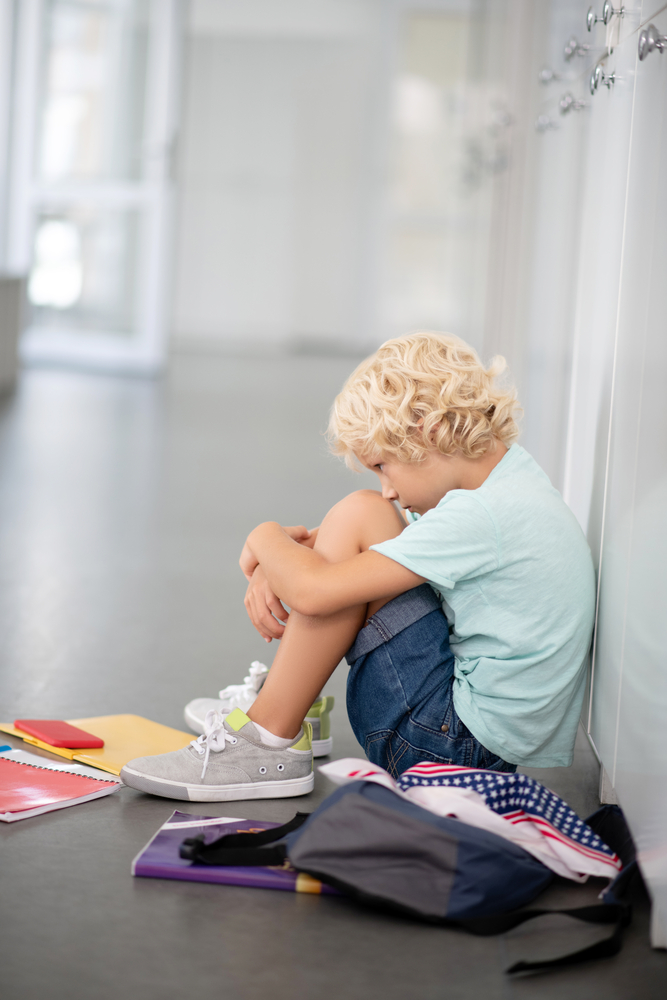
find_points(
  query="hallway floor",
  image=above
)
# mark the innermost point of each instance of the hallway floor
(123, 507)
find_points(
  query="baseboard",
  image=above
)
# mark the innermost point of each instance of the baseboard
(607, 791)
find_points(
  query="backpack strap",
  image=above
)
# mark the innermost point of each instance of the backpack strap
(610, 824)
(242, 848)
(617, 914)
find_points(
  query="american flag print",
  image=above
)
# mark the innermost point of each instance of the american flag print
(519, 799)
(513, 806)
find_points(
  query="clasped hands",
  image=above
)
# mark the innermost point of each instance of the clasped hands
(264, 608)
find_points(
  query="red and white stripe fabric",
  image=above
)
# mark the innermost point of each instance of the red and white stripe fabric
(512, 806)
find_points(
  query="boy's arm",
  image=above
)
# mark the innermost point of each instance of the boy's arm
(311, 585)
(267, 608)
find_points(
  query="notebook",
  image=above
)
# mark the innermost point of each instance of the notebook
(125, 737)
(23, 756)
(28, 790)
(160, 857)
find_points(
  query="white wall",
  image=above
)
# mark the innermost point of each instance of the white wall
(6, 59)
(275, 173)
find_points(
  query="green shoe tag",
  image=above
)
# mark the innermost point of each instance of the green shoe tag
(320, 707)
(306, 741)
(237, 720)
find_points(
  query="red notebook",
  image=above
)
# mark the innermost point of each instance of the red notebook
(26, 790)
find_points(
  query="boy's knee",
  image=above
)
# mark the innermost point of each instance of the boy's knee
(366, 517)
(362, 504)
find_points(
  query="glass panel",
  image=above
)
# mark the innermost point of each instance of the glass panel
(84, 271)
(448, 143)
(93, 90)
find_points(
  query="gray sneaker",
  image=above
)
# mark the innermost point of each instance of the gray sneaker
(228, 762)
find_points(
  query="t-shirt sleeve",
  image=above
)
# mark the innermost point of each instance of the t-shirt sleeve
(457, 540)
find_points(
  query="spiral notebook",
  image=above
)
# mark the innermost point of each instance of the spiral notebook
(160, 857)
(29, 790)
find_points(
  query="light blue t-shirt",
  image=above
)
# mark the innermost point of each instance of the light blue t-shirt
(516, 579)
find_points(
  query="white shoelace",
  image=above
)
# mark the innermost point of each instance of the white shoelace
(215, 737)
(242, 695)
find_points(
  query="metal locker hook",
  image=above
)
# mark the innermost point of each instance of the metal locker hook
(608, 12)
(598, 77)
(591, 19)
(650, 39)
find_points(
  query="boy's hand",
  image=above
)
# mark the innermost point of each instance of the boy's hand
(262, 604)
(309, 539)
(249, 562)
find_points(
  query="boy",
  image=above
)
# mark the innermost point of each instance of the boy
(466, 631)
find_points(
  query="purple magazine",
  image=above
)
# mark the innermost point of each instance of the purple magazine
(160, 858)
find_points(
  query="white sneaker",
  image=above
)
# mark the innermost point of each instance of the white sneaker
(243, 695)
(233, 696)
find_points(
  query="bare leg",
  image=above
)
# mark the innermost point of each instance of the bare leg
(312, 647)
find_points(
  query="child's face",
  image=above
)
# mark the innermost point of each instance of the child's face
(416, 486)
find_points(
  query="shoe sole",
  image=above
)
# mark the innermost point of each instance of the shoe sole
(286, 788)
(321, 748)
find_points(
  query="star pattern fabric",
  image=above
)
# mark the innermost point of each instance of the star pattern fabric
(517, 798)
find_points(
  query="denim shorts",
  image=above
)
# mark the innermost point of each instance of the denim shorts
(399, 689)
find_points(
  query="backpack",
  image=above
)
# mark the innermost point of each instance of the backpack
(389, 853)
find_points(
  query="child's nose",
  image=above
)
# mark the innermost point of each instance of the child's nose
(389, 493)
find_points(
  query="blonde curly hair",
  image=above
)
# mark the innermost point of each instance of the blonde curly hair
(421, 391)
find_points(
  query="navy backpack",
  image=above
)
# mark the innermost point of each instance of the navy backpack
(389, 853)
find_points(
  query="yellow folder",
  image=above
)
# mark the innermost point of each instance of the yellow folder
(125, 737)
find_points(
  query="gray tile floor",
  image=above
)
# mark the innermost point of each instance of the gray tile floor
(123, 506)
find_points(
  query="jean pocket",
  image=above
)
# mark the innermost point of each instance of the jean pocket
(376, 746)
(393, 752)
(437, 723)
